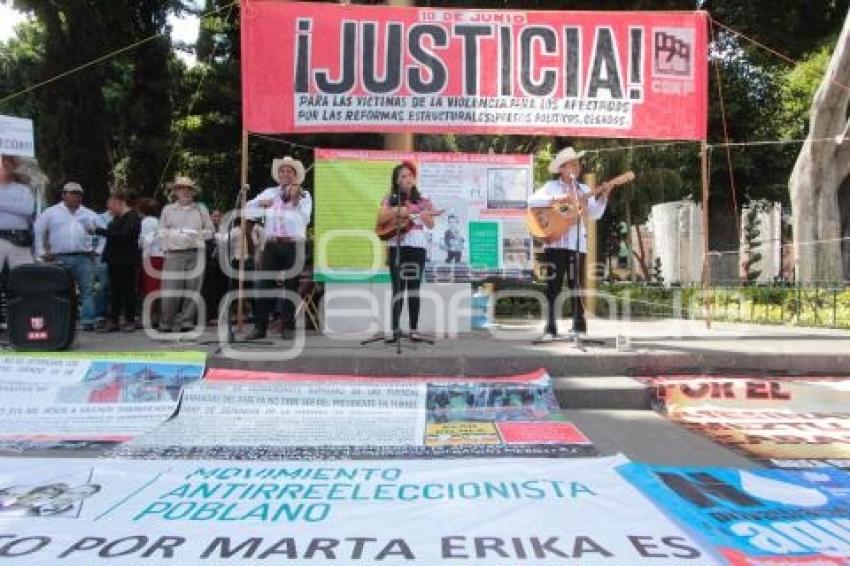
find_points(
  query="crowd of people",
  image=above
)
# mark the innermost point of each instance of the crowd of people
(121, 256)
(129, 251)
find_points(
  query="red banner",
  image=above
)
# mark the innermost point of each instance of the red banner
(342, 68)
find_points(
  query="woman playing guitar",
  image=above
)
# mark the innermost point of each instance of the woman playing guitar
(407, 211)
(565, 255)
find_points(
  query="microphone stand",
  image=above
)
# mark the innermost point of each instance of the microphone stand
(397, 333)
(575, 336)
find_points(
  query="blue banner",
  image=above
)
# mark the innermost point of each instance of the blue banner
(756, 517)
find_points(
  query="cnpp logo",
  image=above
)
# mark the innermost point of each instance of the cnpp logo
(672, 55)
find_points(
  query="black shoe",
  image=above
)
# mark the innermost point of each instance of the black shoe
(287, 334)
(110, 326)
(256, 334)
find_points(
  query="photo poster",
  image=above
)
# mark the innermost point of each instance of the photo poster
(481, 233)
(89, 399)
(307, 416)
(87, 512)
(788, 422)
(755, 517)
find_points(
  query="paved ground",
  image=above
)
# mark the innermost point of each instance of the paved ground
(628, 348)
(646, 436)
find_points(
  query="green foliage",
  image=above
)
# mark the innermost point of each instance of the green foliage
(119, 121)
(826, 308)
(105, 119)
(798, 88)
(20, 57)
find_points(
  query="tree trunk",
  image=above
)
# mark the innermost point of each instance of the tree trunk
(844, 206)
(820, 170)
(641, 258)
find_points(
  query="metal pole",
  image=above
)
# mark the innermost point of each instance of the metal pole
(243, 224)
(590, 267)
(706, 267)
(399, 141)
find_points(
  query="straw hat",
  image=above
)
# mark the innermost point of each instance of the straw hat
(300, 172)
(563, 156)
(180, 181)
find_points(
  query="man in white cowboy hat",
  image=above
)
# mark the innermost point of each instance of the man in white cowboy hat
(64, 234)
(184, 227)
(286, 209)
(565, 256)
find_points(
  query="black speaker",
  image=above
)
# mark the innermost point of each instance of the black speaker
(42, 307)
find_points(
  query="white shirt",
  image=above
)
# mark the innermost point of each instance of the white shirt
(148, 239)
(60, 231)
(16, 206)
(100, 241)
(283, 219)
(545, 195)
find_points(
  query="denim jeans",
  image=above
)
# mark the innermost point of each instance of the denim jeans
(82, 266)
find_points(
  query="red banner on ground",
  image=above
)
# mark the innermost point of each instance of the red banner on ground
(340, 68)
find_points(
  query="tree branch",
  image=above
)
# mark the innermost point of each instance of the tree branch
(834, 92)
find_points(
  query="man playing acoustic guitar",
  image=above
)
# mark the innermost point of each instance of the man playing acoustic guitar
(565, 253)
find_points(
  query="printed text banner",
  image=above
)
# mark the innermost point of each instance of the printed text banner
(132, 513)
(787, 421)
(337, 68)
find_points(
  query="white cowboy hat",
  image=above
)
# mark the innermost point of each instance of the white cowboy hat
(563, 156)
(72, 187)
(180, 181)
(300, 172)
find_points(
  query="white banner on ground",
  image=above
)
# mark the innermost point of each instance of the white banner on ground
(56, 399)
(321, 417)
(16, 136)
(315, 414)
(505, 512)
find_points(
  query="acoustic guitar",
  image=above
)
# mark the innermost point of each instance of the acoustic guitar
(386, 230)
(549, 223)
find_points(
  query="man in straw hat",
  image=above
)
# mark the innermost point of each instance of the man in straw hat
(566, 255)
(286, 209)
(184, 227)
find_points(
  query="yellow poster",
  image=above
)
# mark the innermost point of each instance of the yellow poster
(461, 433)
